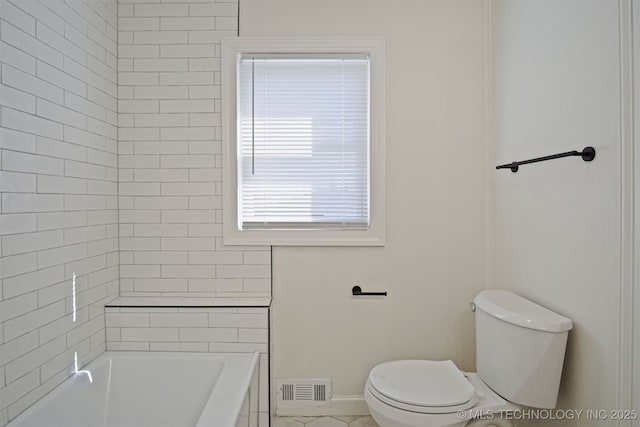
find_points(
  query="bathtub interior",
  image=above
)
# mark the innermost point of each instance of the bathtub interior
(149, 390)
(178, 394)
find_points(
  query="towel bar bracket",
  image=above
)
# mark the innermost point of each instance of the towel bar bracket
(588, 154)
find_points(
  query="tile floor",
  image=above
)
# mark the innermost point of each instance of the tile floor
(337, 421)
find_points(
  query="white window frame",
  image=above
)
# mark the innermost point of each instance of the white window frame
(232, 234)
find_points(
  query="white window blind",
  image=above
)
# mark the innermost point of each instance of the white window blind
(303, 141)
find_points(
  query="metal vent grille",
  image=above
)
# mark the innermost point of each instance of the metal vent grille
(288, 392)
(303, 392)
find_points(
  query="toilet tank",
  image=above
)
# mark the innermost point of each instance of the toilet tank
(520, 348)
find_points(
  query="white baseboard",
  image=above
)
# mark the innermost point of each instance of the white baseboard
(340, 405)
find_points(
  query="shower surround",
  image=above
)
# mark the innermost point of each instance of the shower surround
(59, 218)
(170, 166)
(110, 178)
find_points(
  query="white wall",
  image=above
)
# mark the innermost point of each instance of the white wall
(58, 181)
(433, 262)
(170, 166)
(636, 219)
(556, 228)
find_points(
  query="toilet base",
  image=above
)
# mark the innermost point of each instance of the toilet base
(496, 422)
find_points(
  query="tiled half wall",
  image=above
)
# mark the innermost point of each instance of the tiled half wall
(194, 329)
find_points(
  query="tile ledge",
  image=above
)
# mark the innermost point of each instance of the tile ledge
(189, 302)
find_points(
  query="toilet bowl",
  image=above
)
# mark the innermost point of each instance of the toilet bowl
(426, 393)
(520, 350)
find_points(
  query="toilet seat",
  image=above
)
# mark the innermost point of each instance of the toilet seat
(423, 386)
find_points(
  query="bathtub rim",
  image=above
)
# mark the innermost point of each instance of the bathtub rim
(219, 402)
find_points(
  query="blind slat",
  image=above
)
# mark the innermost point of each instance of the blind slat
(303, 141)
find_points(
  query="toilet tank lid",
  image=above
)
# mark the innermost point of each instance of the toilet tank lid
(514, 309)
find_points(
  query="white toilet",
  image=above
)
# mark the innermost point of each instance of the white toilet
(519, 355)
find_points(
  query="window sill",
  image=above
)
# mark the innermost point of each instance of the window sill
(369, 237)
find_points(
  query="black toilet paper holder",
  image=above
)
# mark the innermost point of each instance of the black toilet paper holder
(356, 291)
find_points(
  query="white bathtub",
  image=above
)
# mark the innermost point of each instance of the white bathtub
(151, 389)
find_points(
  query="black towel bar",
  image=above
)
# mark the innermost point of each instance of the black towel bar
(588, 154)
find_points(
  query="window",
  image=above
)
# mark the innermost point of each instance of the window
(303, 151)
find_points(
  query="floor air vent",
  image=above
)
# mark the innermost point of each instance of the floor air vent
(303, 392)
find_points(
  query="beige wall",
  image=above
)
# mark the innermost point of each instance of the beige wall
(557, 224)
(433, 262)
(550, 232)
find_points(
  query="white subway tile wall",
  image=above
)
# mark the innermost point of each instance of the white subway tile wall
(58, 177)
(170, 166)
(110, 171)
(214, 330)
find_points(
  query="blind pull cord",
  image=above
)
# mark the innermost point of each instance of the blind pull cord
(253, 117)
